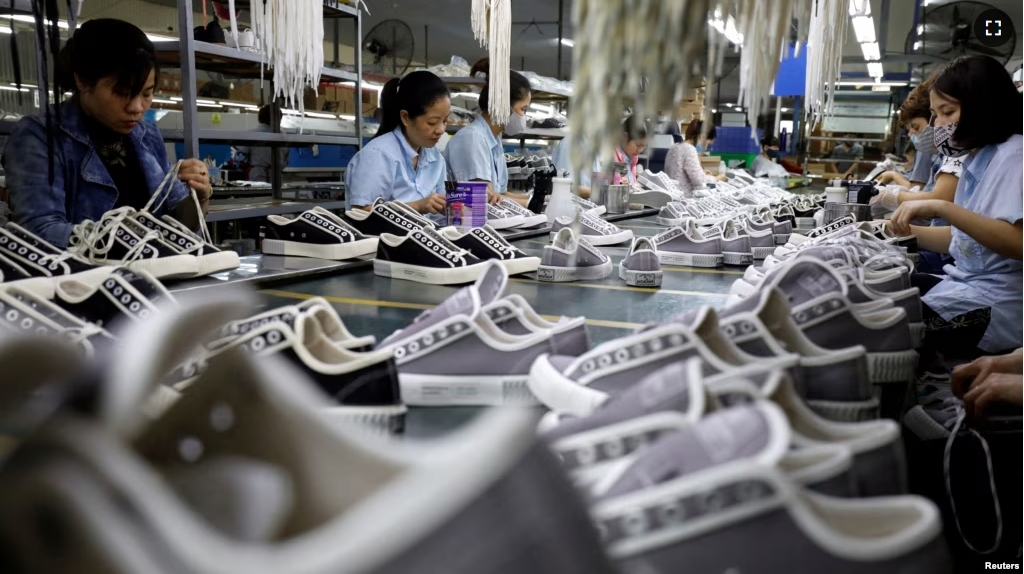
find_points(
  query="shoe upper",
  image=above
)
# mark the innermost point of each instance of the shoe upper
(26, 252)
(313, 228)
(424, 247)
(484, 243)
(382, 218)
(122, 295)
(686, 238)
(567, 250)
(643, 256)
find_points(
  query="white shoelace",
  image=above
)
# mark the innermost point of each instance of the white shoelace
(87, 237)
(947, 455)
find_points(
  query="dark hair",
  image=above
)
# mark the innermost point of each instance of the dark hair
(106, 48)
(694, 128)
(519, 88)
(917, 104)
(414, 93)
(769, 141)
(264, 115)
(636, 129)
(990, 110)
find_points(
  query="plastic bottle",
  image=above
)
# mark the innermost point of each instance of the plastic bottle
(560, 203)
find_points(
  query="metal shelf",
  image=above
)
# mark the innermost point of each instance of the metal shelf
(228, 60)
(277, 139)
(233, 209)
(538, 95)
(533, 133)
(332, 9)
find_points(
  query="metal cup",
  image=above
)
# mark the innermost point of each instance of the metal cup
(616, 198)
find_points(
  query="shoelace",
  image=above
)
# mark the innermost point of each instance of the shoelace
(946, 456)
(444, 242)
(87, 236)
(502, 244)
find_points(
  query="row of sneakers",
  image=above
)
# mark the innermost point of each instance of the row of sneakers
(525, 165)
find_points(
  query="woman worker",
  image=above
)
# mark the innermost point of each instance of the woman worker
(104, 155)
(682, 163)
(976, 308)
(475, 152)
(631, 143)
(765, 163)
(401, 162)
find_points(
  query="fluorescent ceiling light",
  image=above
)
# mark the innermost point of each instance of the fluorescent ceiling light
(159, 38)
(864, 28)
(568, 42)
(13, 89)
(870, 82)
(550, 110)
(347, 118)
(209, 104)
(176, 98)
(875, 69)
(31, 20)
(714, 110)
(860, 7)
(322, 115)
(470, 95)
(870, 51)
(163, 101)
(5, 30)
(917, 45)
(729, 105)
(238, 105)
(920, 29)
(785, 109)
(727, 28)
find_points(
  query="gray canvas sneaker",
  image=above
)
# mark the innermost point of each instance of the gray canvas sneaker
(712, 497)
(668, 400)
(736, 247)
(514, 315)
(501, 218)
(673, 214)
(762, 240)
(834, 383)
(685, 245)
(571, 258)
(640, 268)
(587, 206)
(597, 231)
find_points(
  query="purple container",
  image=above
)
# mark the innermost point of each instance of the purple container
(467, 205)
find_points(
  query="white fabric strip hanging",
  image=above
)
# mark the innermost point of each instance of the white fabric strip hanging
(290, 36)
(827, 36)
(492, 27)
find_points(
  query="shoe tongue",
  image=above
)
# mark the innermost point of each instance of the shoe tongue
(677, 388)
(752, 305)
(806, 280)
(247, 500)
(702, 320)
(725, 436)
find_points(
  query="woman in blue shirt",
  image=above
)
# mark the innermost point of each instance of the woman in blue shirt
(401, 162)
(976, 116)
(475, 152)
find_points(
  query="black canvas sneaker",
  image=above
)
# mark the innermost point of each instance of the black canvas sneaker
(382, 218)
(330, 323)
(530, 219)
(123, 296)
(25, 312)
(183, 240)
(117, 240)
(28, 258)
(485, 243)
(426, 256)
(314, 234)
(409, 212)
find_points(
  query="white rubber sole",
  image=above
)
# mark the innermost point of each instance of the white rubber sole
(42, 287)
(690, 259)
(846, 411)
(386, 418)
(334, 252)
(603, 240)
(520, 265)
(599, 210)
(916, 334)
(507, 222)
(656, 199)
(173, 267)
(566, 274)
(217, 262)
(431, 275)
(737, 258)
(640, 278)
(668, 222)
(561, 394)
(762, 252)
(895, 367)
(805, 222)
(781, 238)
(533, 221)
(447, 390)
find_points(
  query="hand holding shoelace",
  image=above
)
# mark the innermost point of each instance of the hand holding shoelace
(996, 388)
(194, 174)
(966, 377)
(493, 197)
(913, 210)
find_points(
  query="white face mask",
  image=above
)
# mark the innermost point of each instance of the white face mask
(516, 124)
(944, 141)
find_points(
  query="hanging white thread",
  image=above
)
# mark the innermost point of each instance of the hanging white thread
(827, 36)
(492, 27)
(290, 36)
(234, 21)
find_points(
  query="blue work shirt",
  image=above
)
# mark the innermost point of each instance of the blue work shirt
(991, 186)
(475, 153)
(384, 169)
(82, 188)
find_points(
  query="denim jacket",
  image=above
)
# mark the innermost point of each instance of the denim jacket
(82, 188)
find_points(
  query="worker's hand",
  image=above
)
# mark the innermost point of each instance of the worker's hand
(966, 377)
(888, 199)
(996, 388)
(493, 197)
(892, 177)
(434, 203)
(194, 174)
(912, 210)
(722, 177)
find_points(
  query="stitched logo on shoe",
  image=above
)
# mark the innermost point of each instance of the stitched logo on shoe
(548, 274)
(671, 513)
(645, 279)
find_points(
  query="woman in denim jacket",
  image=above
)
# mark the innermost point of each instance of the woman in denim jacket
(104, 155)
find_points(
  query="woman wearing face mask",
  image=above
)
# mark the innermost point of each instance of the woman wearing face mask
(941, 184)
(682, 163)
(632, 143)
(977, 306)
(475, 153)
(401, 162)
(104, 155)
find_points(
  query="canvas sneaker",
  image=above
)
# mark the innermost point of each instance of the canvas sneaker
(364, 385)
(587, 206)
(425, 256)
(179, 237)
(485, 243)
(530, 219)
(500, 218)
(686, 498)
(23, 312)
(380, 219)
(455, 355)
(571, 258)
(514, 315)
(28, 258)
(314, 234)
(640, 267)
(118, 240)
(654, 197)
(410, 213)
(122, 296)
(597, 231)
(736, 247)
(673, 214)
(762, 238)
(833, 382)
(685, 245)
(330, 324)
